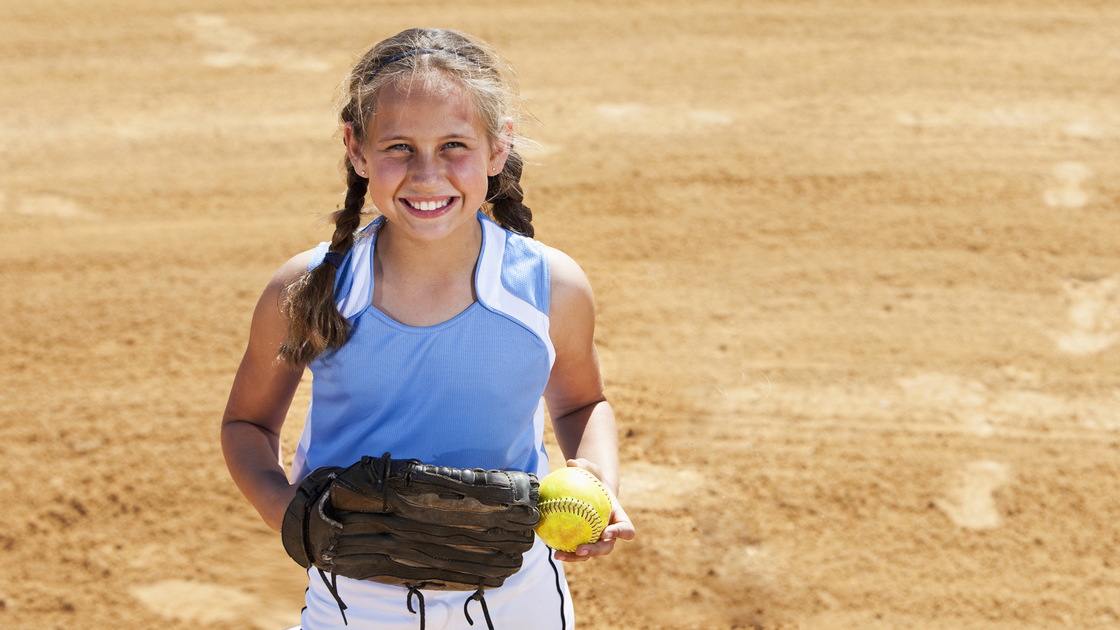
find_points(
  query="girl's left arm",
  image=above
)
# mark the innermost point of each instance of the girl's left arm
(581, 416)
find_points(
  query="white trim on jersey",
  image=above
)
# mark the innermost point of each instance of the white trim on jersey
(494, 294)
(543, 467)
(360, 293)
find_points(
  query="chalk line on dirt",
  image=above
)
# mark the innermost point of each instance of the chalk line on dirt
(203, 603)
(642, 118)
(969, 500)
(1094, 312)
(922, 403)
(1066, 188)
(194, 601)
(1073, 122)
(231, 46)
(45, 205)
(1085, 129)
(654, 487)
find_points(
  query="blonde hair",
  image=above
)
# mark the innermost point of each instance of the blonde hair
(314, 323)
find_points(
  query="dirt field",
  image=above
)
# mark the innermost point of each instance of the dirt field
(856, 268)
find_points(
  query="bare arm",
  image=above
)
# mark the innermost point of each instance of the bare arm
(582, 418)
(258, 404)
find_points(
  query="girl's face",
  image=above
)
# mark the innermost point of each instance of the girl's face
(427, 157)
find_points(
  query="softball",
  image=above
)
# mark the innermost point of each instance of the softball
(575, 507)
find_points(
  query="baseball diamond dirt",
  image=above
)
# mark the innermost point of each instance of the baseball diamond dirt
(856, 267)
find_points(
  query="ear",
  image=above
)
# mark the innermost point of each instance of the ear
(354, 149)
(502, 146)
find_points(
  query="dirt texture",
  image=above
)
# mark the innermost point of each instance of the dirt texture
(855, 267)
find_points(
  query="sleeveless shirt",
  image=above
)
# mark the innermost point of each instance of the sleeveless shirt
(465, 393)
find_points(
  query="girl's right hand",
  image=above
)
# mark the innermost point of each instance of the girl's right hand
(619, 527)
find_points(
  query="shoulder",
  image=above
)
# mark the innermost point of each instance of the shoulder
(294, 269)
(572, 301)
(269, 304)
(269, 325)
(574, 380)
(568, 278)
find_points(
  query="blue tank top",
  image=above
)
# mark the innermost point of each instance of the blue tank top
(466, 393)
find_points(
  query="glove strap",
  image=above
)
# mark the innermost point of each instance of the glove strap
(412, 590)
(332, 586)
(378, 475)
(485, 611)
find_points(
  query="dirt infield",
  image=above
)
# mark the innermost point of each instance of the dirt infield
(855, 263)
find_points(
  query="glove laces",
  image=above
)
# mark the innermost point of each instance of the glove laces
(485, 611)
(332, 586)
(414, 591)
(378, 476)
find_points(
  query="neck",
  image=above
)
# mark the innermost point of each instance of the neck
(423, 283)
(419, 261)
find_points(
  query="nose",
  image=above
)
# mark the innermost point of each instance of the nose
(425, 170)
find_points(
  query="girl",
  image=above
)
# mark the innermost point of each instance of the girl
(437, 332)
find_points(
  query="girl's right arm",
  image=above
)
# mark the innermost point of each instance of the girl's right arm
(258, 403)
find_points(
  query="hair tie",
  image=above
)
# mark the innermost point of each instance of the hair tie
(419, 51)
(333, 259)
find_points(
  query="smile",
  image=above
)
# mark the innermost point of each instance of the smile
(429, 206)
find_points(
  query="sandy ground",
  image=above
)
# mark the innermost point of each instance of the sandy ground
(856, 269)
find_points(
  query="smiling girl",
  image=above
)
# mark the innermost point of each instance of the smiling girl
(439, 331)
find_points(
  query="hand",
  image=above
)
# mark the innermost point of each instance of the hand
(619, 528)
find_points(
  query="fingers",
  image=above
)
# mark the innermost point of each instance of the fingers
(587, 465)
(620, 527)
(583, 553)
(623, 530)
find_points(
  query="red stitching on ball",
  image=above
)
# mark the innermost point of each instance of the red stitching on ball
(569, 505)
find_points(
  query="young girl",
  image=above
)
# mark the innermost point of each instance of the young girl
(437, 332)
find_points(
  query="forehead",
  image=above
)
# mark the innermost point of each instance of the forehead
(431, 105)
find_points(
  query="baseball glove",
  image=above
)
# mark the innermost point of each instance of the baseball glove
(398, 521)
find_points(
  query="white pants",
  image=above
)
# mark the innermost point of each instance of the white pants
(528, 599)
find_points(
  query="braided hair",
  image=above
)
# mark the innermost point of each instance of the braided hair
(315, 324)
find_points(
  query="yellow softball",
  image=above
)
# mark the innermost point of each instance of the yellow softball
(575, 509)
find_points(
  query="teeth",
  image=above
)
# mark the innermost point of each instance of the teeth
(428, 206)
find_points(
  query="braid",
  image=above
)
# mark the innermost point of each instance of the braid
(506, 196)
(314, 323)
(349, 218)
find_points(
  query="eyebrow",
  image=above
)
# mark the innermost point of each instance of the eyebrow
(453, 136)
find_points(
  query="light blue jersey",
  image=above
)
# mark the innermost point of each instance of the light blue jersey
(466, 393)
